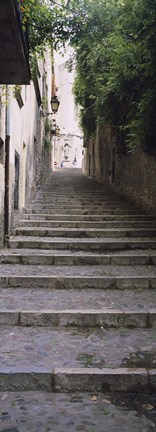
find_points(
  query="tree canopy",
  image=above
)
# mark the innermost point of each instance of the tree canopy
(115, 49)
(116, 71)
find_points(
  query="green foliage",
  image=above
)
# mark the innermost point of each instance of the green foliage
(115, 45)
(116, 70)
(47, 143)
(3, 95)
(51, 22)
(48, 125)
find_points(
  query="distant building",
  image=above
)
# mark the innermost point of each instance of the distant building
(67, 148)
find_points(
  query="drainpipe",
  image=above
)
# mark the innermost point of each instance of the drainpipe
(7, 163)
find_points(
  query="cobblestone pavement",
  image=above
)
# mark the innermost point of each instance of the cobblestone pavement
(45, 412)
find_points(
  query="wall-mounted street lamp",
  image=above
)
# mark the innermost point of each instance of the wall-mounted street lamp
(55, 130)
(54, 104)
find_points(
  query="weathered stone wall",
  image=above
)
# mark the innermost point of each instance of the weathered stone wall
(136, 178)
(97, 158)
(133, 175)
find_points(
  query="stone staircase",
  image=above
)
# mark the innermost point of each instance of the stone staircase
(78, 298)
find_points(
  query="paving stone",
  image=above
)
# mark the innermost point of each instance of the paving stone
(77, 412)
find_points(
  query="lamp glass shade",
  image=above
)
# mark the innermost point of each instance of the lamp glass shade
(54, 104)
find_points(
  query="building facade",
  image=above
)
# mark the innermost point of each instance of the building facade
(25, 143)
(67, 147)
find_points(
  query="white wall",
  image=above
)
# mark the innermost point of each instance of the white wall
(26, 128)
(71, 136)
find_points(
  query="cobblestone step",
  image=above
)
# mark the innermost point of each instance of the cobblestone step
(50, 200)
(86, 224)
(29, 299)
(136, 380)
(99, 318)
(71, 282)
(66, 359)
(88, 412)
(93, 217)
(60, 257)
(92, 244)
(82, 232)
(83, 207)
(78, 271)
(82, 212)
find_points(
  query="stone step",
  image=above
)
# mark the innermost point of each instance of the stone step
(29, 299)
(85, 270)
(91, 244)
(78, 271)
(102, 412)
(82, 194)
(89, 198)
(70, 359)
(60, 257)
(82, 205)
(82, 232)
(110, 380)
(83, 208)
(97, 318)
(80, 191)
(82, 212)
(79, 194)
(86, 224)
(93, 217)
(77, 282)
(79, 201)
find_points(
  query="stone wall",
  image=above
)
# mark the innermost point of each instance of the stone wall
(136, 178)
(133, 175)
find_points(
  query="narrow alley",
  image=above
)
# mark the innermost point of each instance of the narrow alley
(78, 312)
